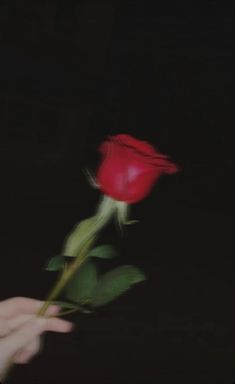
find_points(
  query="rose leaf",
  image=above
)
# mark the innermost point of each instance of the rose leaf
(80, 288)
(103, 252)
(116, 282)
(56, 263)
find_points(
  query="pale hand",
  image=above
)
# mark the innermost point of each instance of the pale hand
(20, 329)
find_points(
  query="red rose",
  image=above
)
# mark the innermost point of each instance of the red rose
(130, 168)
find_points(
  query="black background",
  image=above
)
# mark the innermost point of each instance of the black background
(72, 73)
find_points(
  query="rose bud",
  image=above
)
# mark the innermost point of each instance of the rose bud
(130, 168)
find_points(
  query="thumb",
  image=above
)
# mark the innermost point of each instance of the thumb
(24, 335)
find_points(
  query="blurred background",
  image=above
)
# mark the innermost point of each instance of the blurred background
(72, 73)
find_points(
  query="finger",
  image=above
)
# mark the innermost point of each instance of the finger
(32, 306)
(53, 310)
(33, 347)
(22, 305)
(8, 325)
(58, 325)
(28, 352)
(33, 328)
(23, 336)
(18, 321)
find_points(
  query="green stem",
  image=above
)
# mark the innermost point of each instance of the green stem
(65, 277)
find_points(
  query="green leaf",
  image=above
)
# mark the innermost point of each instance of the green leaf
(115, 282)
(103, 252)
(56, 263)
(80, 288)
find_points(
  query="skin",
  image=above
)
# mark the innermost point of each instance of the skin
(20, 329)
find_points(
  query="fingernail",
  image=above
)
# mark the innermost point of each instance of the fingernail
(54, 309)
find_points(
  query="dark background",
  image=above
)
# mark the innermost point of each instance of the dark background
(71, 73)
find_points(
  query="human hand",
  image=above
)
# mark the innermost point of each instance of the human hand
(20, 329)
